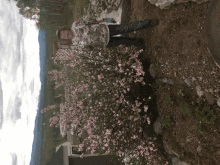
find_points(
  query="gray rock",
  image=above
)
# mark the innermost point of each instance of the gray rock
(182, 163)
(170, 81)
(181, 82)
(197, 1)
(164, 80)
(162, 4)
(174, 159)
(187, 81)
(212, 30)
(152, 70)
(158, 80)
(153, 1)
(166, 4)
(199, 148)
(173, 155)
(209, 97)
(199, 91)
(157, 127)
(218, 101)
(167, 147)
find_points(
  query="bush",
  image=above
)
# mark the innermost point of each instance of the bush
(206, 115)
(98, 81)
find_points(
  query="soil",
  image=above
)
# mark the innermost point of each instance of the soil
(177, 46)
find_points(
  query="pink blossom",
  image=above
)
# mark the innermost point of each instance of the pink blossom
(81, 156)
(99, 77)
(145, 108)
(121, 70)
(135, 119)
(137, 104)
(148, 120)
(79, 110)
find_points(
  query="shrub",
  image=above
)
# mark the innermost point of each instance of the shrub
(206, 115)
(99, 81)
(185, 108)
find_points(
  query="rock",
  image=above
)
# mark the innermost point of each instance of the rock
(161, 80)
(181, 82)
(193, 79)
(187, 81)
(162, 4)
(182, 163)
(167, 148)
(173, 155)
(153, 1)
(199, 148)
(218, 101)
(166, 4)
(170, 81)
(211, 91)
(212, 30)
(164, 80)
(152, 70)
(209, 97)
(174, 159)
(199, 92)
(197, 1)
(157, 127)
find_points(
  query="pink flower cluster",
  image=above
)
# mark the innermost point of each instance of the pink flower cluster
(49, 107)
(54, 120)
(94, 92)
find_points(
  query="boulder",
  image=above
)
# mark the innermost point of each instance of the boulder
(212, 30)
(209, 97)
(166, 4)
(162, 4)
(157, 127)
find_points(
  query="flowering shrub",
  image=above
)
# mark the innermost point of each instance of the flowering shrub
(99, 81)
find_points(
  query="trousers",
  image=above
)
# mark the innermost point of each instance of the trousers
(126, 28)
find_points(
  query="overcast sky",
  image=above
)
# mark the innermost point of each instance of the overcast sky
(19, 84)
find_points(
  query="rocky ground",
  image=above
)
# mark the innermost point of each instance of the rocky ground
(177, 49)
(180, 57)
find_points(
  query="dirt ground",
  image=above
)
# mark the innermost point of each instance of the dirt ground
(178, 48)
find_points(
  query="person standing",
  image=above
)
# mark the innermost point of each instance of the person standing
(94, 32)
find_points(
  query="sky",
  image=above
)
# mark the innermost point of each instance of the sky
(20, 84)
